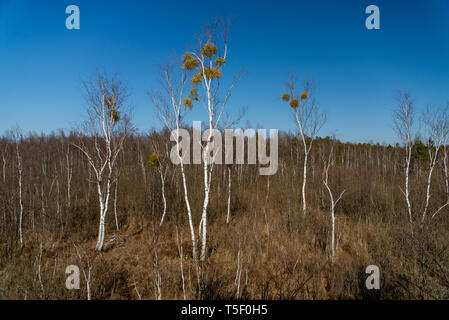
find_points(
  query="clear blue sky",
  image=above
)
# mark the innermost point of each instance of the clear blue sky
(356, 70)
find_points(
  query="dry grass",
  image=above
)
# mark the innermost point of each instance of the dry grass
(269, 250)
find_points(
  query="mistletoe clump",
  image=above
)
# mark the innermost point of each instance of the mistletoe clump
(190, 63)
(114, 115)
(194, 94)
(209, 50)
(187, 104)
(201, 70)
(197, 78)
(286, 97)
(212, 73)
(304, 95)
(155, 160)
(294, 103)
(219, 62)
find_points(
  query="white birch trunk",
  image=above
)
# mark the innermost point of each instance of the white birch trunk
(446, 173)
(115, 205)
(407, 170)
(304, 182)
(19, 168)
(229, 195)
(429, 181)
(69, 178)
(104, 204)
(4, 168)
(164, 200)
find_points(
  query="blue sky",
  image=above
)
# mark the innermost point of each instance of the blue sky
(356, 71)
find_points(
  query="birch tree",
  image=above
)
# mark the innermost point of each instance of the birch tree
(17, 136)
(206, 63)
(403, 124)
(308, 118)
(4, 160)
(157, 162)
(228, 215)
(69, 164)
(446, 169)
(333, 200)
(436, 124)
(169, 106)
(106, 129)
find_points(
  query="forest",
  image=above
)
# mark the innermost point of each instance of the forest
(108, 199)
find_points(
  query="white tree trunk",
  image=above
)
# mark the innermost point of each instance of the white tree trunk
(429, 181)
(115, 205)
(19, 167)
(189, 214)
(304, 182)
(333, 202)
(186, 196)
(164, 200)
(446, 174)
(4, 168)
(101, 234)
(203, 223)
(229, 195)
(104, 203)
(407, 196)
(333, 231)
(69, 178)
(207, 168)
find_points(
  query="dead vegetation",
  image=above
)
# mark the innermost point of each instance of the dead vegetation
(268, 250)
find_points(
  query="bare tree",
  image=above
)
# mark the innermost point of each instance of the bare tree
(4, 160)
(170, 110)
(18, 138)
(436, 123)
(69, 162)
(446, 170)
(180, 251)
(228, 167)
(108, 126)
(115, 200)
(157, 161)
(334, 201)
(309, 119)
(206, 63)
(403, 124)
(89, 267)
(157, 280)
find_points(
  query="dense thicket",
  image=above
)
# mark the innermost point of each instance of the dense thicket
(268, 250)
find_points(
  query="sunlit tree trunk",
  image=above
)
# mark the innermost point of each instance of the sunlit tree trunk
(115, 203)
(403, 120)
(309, 120)
(69, 176)
(108, 126)
(229, 194)
(164, 199)
(327, 164)
(437, 128)
(19, 170)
